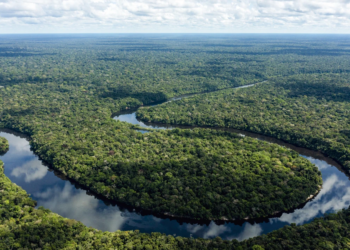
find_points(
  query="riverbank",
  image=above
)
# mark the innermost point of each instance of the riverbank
(62, 140)
(4, 145)
(23, 226)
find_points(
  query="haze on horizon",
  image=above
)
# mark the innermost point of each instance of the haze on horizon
(180, 16)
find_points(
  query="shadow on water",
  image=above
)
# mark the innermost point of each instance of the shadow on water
(72, 201)
(328, 200)
(69, 199)
(130, 116)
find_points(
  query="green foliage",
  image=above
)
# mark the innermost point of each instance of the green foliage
(257, 247)
(4, 145)
(311, 112)
(63, 95)
(202, 174)
(24, 227)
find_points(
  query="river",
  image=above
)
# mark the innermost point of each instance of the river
(51, 190)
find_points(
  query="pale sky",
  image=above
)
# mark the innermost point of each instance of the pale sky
(175, 16)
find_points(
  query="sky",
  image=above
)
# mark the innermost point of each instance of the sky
(174, 16)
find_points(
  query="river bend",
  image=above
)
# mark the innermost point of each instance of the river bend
(51, 190)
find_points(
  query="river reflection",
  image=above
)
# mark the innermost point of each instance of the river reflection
(64, 198)
(335, 195)
(31, 171)
(129, 117)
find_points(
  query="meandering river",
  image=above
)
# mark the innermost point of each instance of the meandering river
(51, 190)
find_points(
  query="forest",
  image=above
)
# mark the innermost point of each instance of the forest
(26, 227)
(4, 145)
(63, 93)
(308, 111)
(186, 173)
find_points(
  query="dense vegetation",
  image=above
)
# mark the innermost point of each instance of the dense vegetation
(311, 112)
(62, 92)
(199, 173)
(24, 227)
(68, 112)
(4, 145)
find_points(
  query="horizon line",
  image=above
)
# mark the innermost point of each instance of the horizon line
(175, 33)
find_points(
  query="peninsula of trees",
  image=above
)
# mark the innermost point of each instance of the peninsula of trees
(62, 94)
(4, 145)
(24, 227)
(308, 111)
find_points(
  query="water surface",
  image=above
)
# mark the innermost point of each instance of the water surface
(51, 190)
(61, 196)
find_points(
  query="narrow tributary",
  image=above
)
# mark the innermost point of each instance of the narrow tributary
(51, 190)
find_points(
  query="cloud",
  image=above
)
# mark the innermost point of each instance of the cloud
(249, 231)
(20, 150)
(172, 16)
(76, 204)
(334, 196)
(210, 231)
(32, 170)
(17, 145)
(72, 203)
(215, 230)
(322, 165)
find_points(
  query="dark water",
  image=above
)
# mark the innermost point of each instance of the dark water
(335, 193)
(61, 196)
